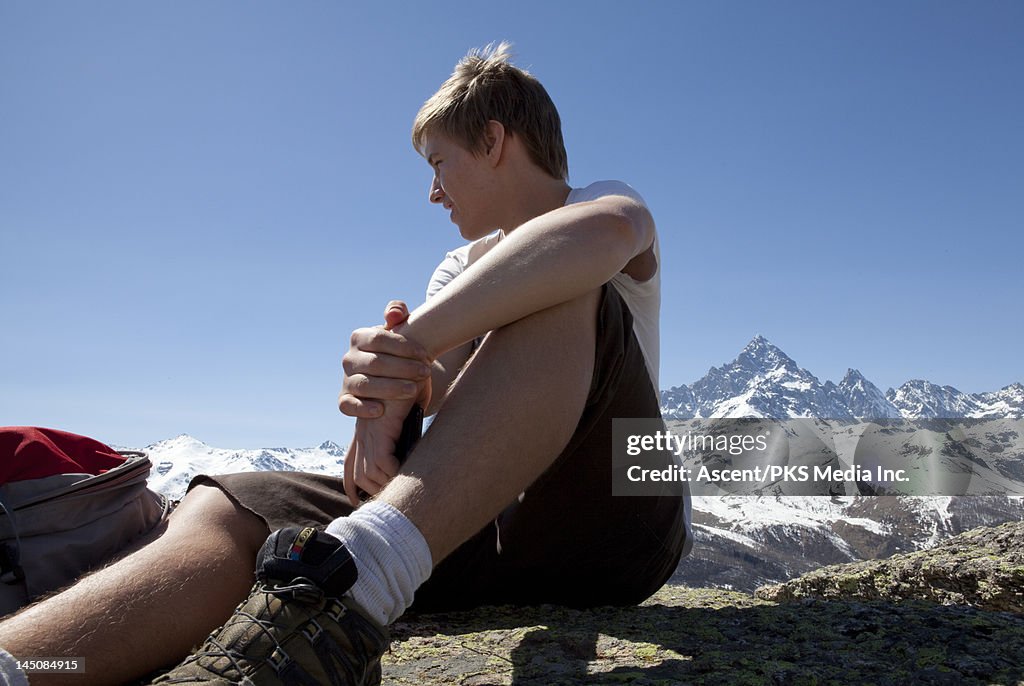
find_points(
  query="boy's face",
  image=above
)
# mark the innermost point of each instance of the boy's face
(463, 184)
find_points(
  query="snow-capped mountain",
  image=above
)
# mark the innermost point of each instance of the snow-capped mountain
(747, 540)
(863, 398)
(919, 398)
(177, 460)
(765, 382)
(761, 382)
(1006, 402)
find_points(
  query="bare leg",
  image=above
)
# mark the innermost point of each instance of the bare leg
(158, 602)
(509, 415)
(152, 606)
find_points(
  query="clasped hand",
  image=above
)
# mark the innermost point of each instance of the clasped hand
(385, 374)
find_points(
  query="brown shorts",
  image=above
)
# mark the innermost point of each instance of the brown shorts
(567, 541)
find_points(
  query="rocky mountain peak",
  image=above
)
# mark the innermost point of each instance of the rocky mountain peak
(864, 399)
(763, 381)
(332, 448)
(853, 377)
(920, 398)
(761, 355)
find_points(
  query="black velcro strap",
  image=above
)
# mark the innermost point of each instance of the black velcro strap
(315, 555)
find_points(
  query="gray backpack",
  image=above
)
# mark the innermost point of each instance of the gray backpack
(54, 528)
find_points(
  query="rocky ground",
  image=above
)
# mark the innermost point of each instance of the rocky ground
(950, 615)
(983, 568)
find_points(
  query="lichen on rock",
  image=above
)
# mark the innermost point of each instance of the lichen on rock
(983, 568)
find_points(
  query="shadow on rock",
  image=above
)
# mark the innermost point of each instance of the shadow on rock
(704, 636)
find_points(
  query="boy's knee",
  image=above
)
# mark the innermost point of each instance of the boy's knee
(208, 509)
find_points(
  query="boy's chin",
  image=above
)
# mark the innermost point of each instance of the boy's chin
(472, 233)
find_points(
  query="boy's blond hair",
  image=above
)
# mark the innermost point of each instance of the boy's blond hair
(486, 86)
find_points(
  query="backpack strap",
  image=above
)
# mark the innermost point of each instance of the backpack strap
(11, 571)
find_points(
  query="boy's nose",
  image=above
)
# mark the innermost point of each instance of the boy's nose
(436, 192)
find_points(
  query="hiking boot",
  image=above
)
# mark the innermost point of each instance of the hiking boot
(296, 627)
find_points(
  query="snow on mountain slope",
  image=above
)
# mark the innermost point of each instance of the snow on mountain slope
(1006, 402)
(177, 460)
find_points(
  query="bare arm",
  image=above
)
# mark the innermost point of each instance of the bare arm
(548, 260)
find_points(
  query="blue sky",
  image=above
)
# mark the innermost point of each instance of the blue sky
(200, 200)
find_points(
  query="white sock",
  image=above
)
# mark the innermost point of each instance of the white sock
(10, 673)
(391, 556)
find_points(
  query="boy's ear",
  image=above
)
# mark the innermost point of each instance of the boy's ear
(494, 141)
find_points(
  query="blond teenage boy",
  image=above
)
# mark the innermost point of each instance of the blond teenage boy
(533, 338)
